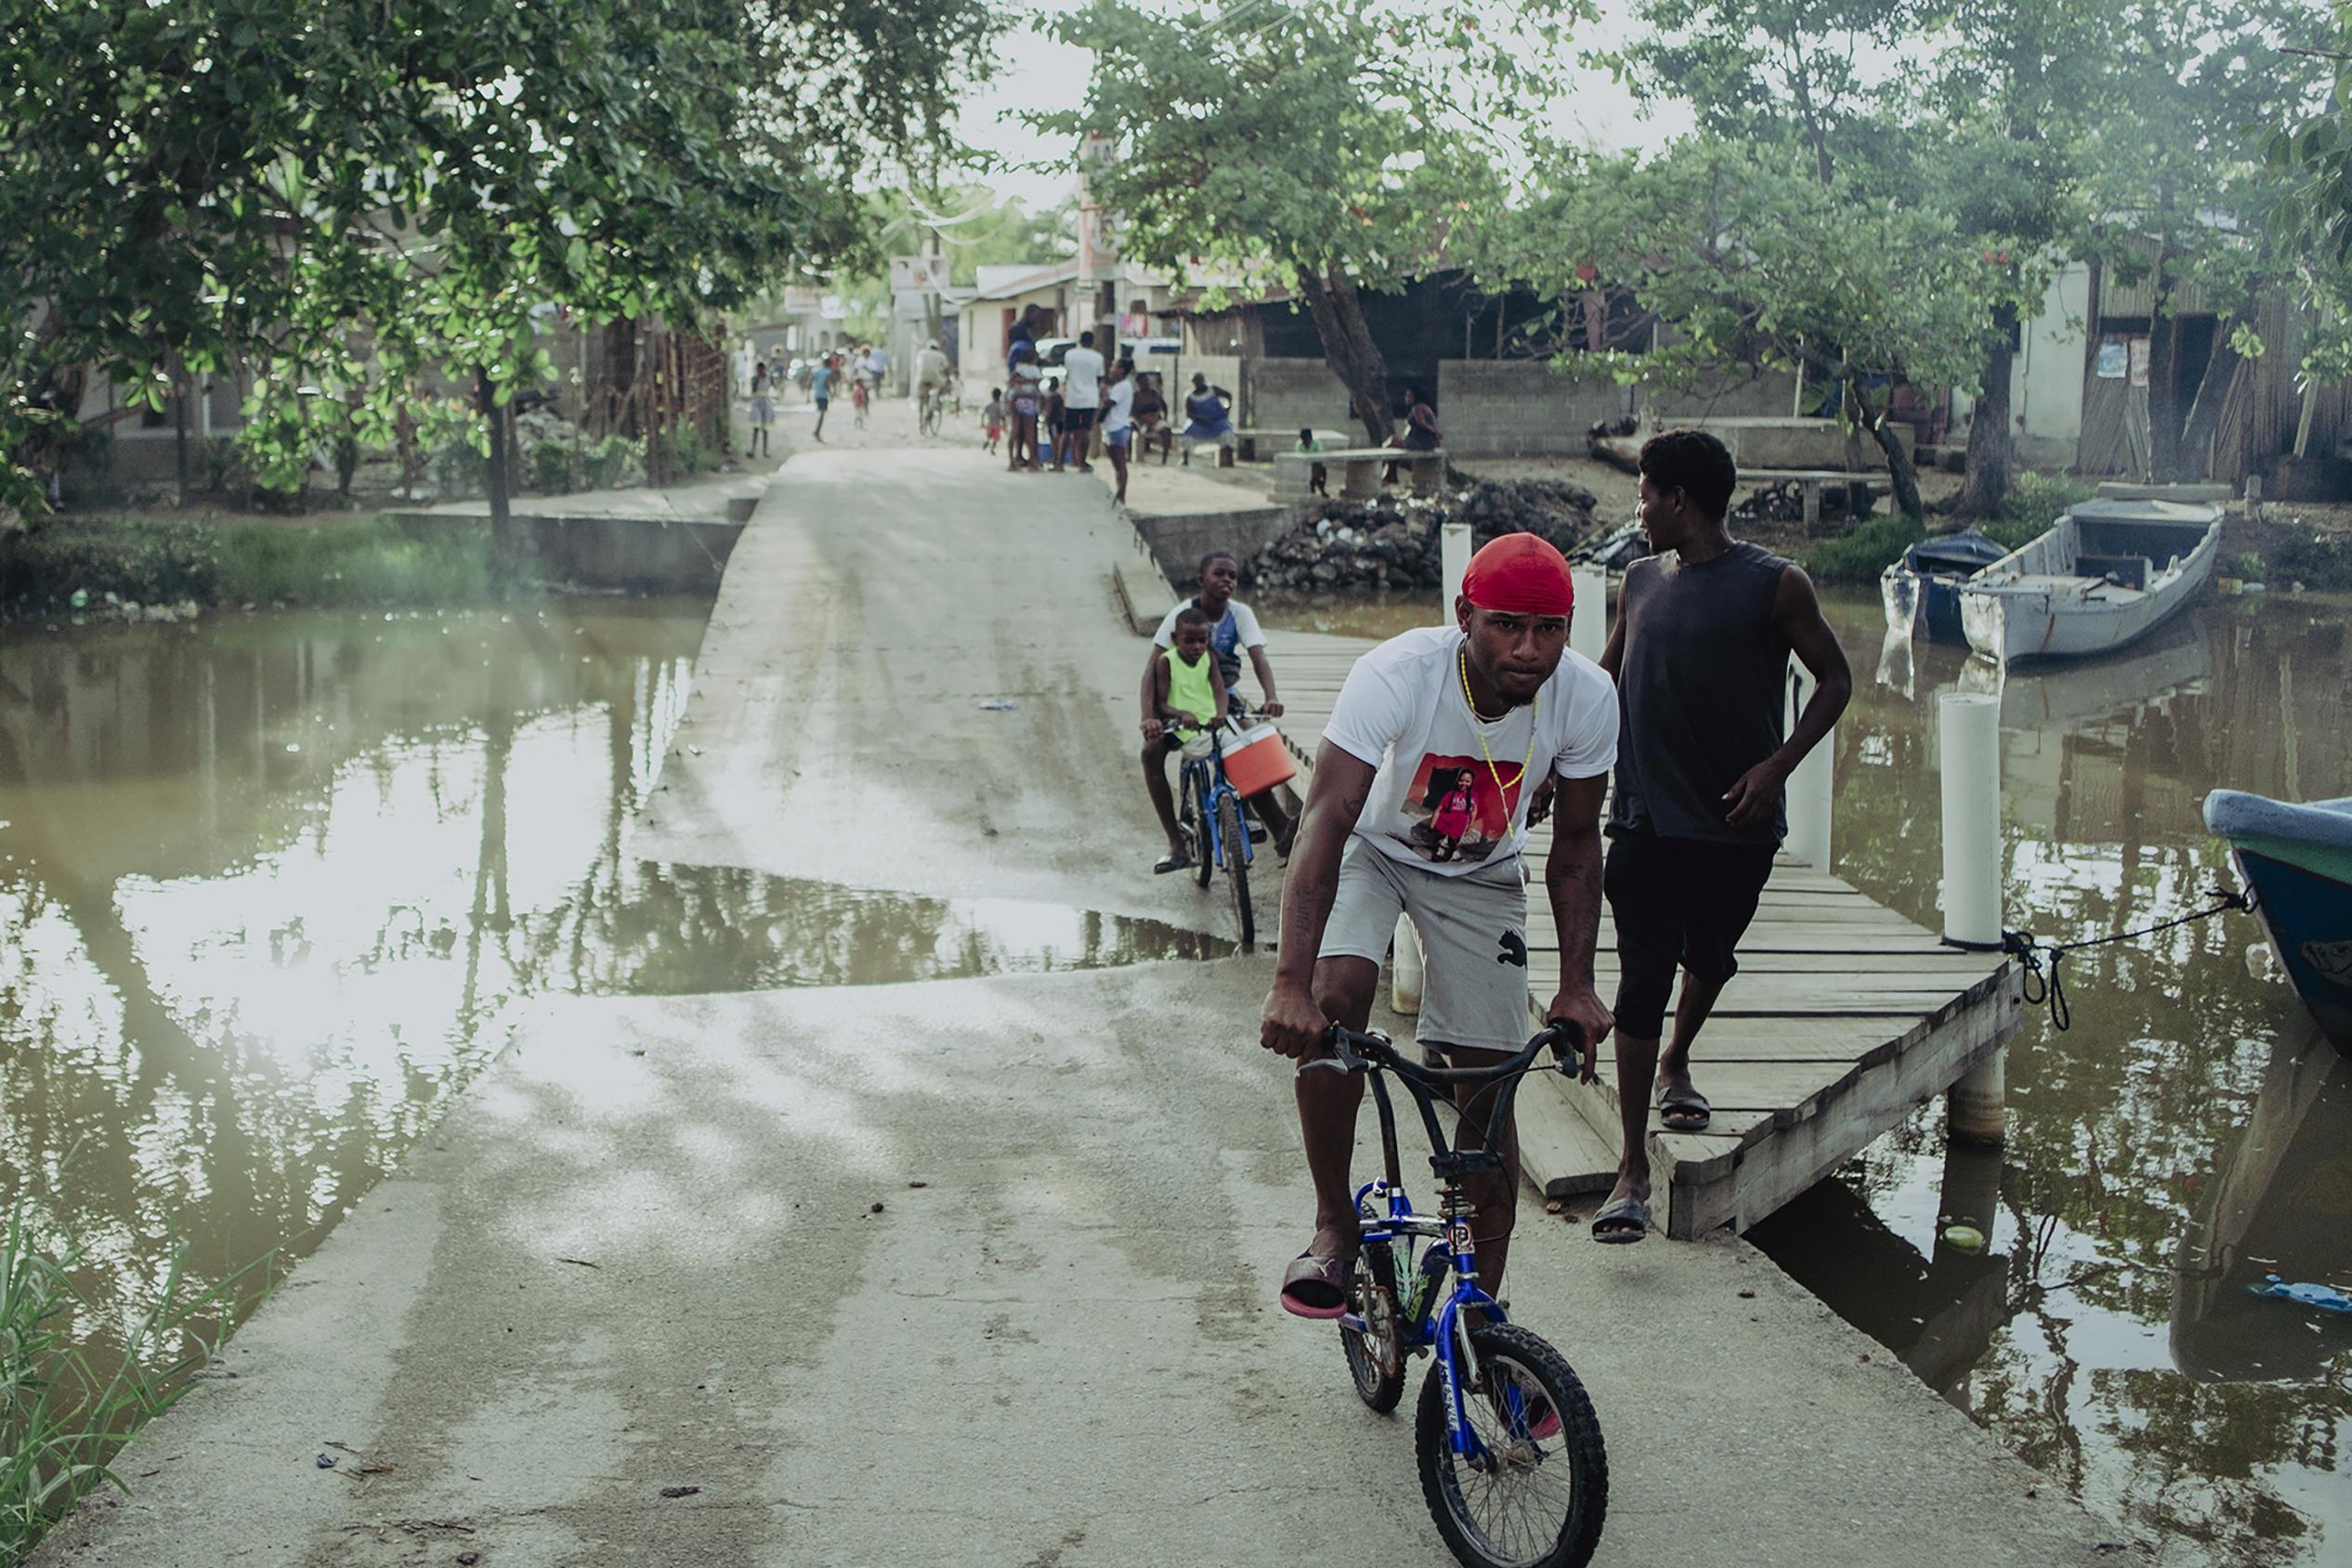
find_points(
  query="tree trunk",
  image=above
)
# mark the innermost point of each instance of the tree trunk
(1992, 443)
(502, 520)
(1900, 476)
(2164, 371)
(1348, 348)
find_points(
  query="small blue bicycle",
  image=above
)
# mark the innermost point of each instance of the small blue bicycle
(1511, 1461)
(1216, 831)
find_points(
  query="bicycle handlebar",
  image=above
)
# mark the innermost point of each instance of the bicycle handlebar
(1352, 1051)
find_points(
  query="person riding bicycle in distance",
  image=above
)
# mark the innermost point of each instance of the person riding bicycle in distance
(1185, 693)
(1498, 695)
(1233, 632)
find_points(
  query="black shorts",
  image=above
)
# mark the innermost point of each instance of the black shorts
(1678, 903)
(1075, 420)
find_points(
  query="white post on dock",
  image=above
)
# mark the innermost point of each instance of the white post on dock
(1453, 553)
(1811, 786)
(1970, 730)
(1588, 623)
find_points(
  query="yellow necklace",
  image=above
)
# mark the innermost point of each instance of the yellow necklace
(1478, 726)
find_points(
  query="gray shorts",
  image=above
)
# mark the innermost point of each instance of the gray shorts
(1473, 930)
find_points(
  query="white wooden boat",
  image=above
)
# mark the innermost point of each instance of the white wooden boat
(2107, 573)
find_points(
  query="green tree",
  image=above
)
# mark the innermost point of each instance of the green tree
(272, 178)
(2180, 188)
(1319, 150)
(1749, 257)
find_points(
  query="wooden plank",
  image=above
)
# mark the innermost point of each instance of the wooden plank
(1558, 1150)
(1844, 1014)
(1741, 1189)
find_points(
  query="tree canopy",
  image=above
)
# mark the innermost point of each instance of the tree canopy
(200, 181)
(1315, 149)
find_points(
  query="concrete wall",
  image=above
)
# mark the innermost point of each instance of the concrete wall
(1296, 394)
(1178, 540)
(1522, 408)
(1771, 395)
(644, 554)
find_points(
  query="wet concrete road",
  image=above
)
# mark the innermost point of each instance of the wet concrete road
(645, 1251)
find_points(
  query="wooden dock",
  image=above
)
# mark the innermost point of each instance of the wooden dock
(1843, 1018)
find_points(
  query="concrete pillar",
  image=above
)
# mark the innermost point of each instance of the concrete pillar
(1811, 787)
(1588, 626)
(1970, 1195)
(1404, 968)
(1453, 553)
(1970, 734)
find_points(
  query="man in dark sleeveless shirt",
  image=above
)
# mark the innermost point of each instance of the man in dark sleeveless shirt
(1700, 655)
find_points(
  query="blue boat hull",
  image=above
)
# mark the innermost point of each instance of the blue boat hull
(2309, 918)
(2296, 858)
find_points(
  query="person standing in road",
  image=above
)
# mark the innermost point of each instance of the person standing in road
(762, 409)
(1081, 397)
(820, 388)
(1498, 694)
(1700, 653)
(1119, 421)
(1023, 373)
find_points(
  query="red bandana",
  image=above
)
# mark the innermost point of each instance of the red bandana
(1520, 574)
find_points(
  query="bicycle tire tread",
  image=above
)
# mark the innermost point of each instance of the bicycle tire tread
(1581, 1445)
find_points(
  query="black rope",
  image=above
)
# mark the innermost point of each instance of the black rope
(2048, 985)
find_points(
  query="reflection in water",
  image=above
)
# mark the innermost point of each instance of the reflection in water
(2277, 1203)
(275, 887)
(2089, 1333)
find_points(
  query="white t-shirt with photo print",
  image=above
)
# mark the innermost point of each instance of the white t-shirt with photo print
(1402, 709)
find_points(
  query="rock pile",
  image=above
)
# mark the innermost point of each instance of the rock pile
(1385, 543)
(1557, 511)
(1393, 543)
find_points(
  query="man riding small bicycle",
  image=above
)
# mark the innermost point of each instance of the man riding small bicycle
(1497, 696)
(931, 384)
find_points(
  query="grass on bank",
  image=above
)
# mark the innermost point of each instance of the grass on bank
(2284, 552)
(61, 1415)
(2034, 502)
(231, 564)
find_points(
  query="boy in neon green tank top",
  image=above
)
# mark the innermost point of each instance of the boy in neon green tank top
(1186, 689)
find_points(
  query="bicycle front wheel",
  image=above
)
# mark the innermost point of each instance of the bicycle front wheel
(1237, 848)
(1533, 1486)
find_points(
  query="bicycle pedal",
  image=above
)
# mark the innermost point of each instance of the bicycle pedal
(1256, 834)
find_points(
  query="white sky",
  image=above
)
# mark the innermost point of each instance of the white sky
(1038, 74)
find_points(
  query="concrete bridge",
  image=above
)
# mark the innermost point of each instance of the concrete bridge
(971, 1272)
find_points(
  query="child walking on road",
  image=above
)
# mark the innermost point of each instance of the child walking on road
(992, 420)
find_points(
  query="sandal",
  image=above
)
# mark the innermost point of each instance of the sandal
(1313, 1286)
(1684, 1110)
(1172, 863)
(1621, 1222)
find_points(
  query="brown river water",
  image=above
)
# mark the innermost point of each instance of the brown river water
(276, 887)
(2186, 1136)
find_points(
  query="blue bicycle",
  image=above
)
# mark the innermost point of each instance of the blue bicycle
(1210, 817)
(1512, 1464)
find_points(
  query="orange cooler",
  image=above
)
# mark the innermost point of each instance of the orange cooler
(1256, 760)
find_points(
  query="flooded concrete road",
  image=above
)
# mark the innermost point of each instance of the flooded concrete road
(274, 888)
(969, 1269)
